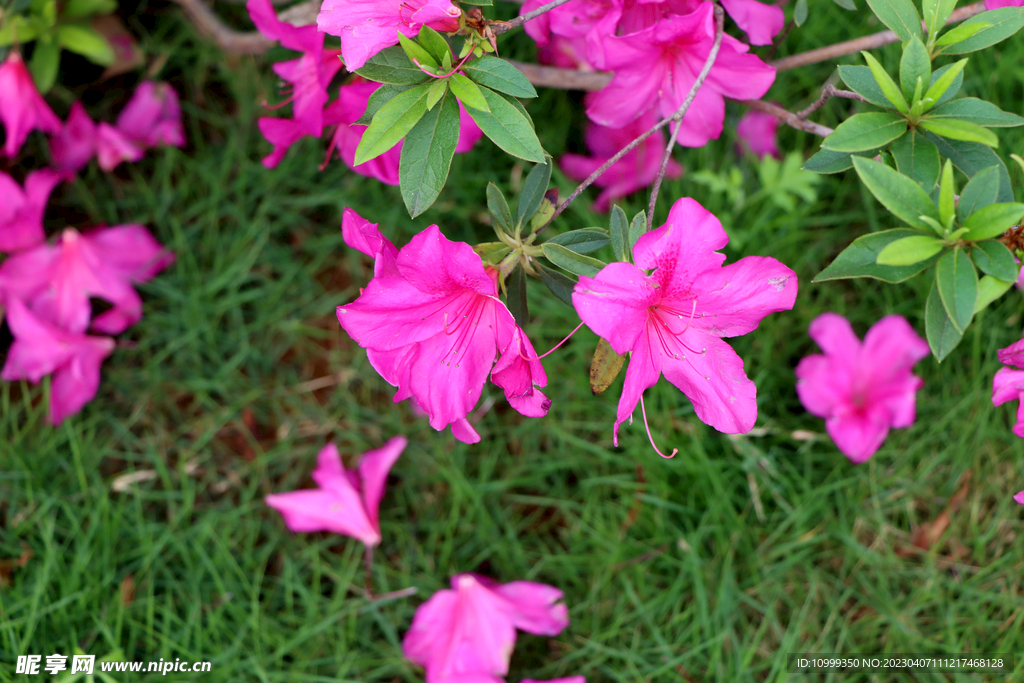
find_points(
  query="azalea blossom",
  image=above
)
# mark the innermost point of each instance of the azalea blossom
(1008, 384)
(672, 320)
(347, 501)
(761, 22)
(635, 171)
(21, 211)
(433, 326)
(368, 26)
(757, 132)
(41, 348)
(657, 66)
(996, 4)
(56, 282)
(152, 116)
(80, 139)
(862, 390)
(22, 108)
(471, 629)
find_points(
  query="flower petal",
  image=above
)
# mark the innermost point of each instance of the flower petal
(738, 296)
(373, 471)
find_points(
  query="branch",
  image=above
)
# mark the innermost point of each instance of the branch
(827, 93)
(498, 28)
(787, 117)
(238, 42)
(678, 116)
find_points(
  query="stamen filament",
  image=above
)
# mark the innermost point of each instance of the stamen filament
(649, 436)
(555, 348)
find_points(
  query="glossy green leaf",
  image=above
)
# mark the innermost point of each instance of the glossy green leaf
(581, 241)
(391, 65)
(80, 9)
(846, 4)
(1004, 22)
(860, 259)
(860, 80)
(534, 187)
(918, 158)
(434, 43)
(560, 284)
(498, 207)
(393, 121)
(619, 233)
(436, 91)
(972, 157)
(546, 211)
(896, 192)
(990, 289)
(960, 33)
(827, 161)
(515, 299)
(508, 128)
(945, 80)
(936, 14)
(900, 16)
(947, 188)
(577, 264)
(979, 112)
(378, 98)
(993, 220)
(468, 92)
(43, 65)
(955, 129)
(980, 191)
(889, 89)
(994, 258)
(909, 250)
(915, 65)
(637, 227)
(942, 334)
(957, 283)
(498, 74)
(866, 131)
(427, 155)
(519, 107)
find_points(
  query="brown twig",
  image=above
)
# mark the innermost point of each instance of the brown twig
(787, 117)
(827, 93)
(681, 112)
(228, 39)
(501, 27)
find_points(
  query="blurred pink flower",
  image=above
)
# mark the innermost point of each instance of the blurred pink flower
(41, 348)
(656, 67)
(635, 171)
(368, 26)
(152, 116)
(347, 501)
(56, 282)
(673, 319)
(996, 4)
(21, 211)
(759, 21)
(22, 108)
(1019, 497)
(1008, 384)
(756, 131)
(74, 144)
(862, 390)
(433, 326)
(471, 629)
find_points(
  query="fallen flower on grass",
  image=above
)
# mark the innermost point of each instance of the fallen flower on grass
(347, 501)
(22, 108)
(152, 116)
(21, 211)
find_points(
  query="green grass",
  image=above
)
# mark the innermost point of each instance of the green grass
(708, 567)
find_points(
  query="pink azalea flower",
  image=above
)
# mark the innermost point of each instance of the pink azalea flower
(58, 281)
(756, 131)
(471, 629)
(862, 390)
(996, 4)
(434, 327)
(673, 319)
(759, 21)
(580, 23)
(21, 212)
(1008, 384)
(633, 172)
(1019, 497)
(347, 501)
(112, 147)
(74, 144)
(22, 108)
(41, 348)
(657, 66)
(153, 116)
(368, 26)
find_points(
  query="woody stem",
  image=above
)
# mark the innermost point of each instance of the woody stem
(500, 28)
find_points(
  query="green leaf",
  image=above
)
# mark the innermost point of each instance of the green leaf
(800, 12)
(492, 252)
(427, 155)
(563, 257)
(436, 91)
(980, 191)
(468, 92)
(546, 211)
(909, 250)
(955, 129)
(918, 158)
(392, 123)
(620, 234)
(498, 74)
(481, 3)
(866, 131)
(508, 128)
(581, 241)
(432, 41)
(936, 14)
(980, 112)
(889, 89)
(827, 161)
(416, 53)
(915, 64)
(947, 188)
(994, 258)
(637, 227)
(44, 63)
(990, 289)
(17, 28)
(846, 4)
(498, 207)
(559, 283)
(604, 367)
(860, 80)
(942, 334)
(515, 297)
(1004, 23)
(900, 16)
(972, 157)
(534, 187)
(992, 221)
(860, 259)
(945, 80)
(79, 9)
(391, 65)
(896, 192)
(957, 282)
(961, 32)
(378, 98)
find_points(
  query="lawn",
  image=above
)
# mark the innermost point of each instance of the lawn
(139, 525)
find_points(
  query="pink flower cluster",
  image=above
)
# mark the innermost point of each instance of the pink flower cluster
(309, 77)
